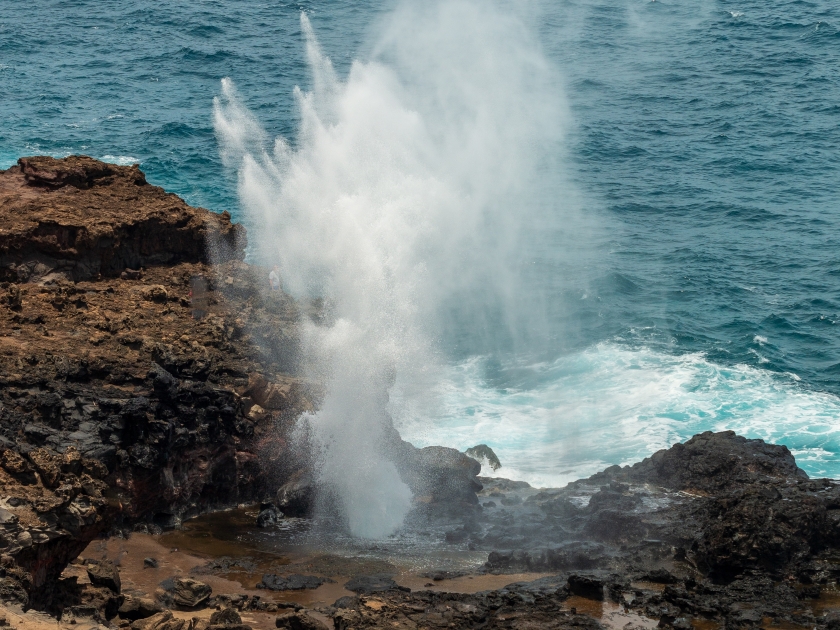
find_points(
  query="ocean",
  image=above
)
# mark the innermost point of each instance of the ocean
(699, 282)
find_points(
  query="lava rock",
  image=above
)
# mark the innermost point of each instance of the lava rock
(189, 593)
(298, 621)
(269, 516)
(348, 601)
(292, 582)
(225, 617)
(105, 573)
(160, 621)
(47, 466)
(661, 576)
(367, 584)
(481, 452)
(586, 586)
(297, 496)
(134, 608)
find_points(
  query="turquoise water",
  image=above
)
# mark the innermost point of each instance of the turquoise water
(702, 142)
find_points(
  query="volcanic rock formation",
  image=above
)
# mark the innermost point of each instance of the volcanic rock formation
(139, 383)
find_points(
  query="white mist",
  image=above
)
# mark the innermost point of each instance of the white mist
(406, 201)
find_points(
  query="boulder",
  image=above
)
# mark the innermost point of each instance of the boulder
(586, 586)
(268, 516)
(298, 621)
(292, 582)
(439, 473)
(482, 452)
(227, 616)
(134, 608)
(367, 584)
(296, 497)
(104, 573)
(160, 621)
(190, 593)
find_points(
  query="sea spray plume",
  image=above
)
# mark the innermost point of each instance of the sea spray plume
(401, 205)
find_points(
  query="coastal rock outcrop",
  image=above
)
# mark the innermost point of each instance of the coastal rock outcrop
(77, 218)
(135, 350)
(732, 527)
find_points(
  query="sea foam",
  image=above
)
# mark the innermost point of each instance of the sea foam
(610, 404)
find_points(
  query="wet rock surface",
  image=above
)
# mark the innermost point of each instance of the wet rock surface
(185, 592)
(532, 605)
(720, 528)
(367, 584)
(294, 582)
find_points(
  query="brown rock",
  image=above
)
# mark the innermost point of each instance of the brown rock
(14, 463)
(155, 293)
(71, 462)
(47, 467)
(134, 608)
(190, 593)
(273, 395)
(298, 621)
(105, 573)
(80, 217)
(112, 381)
(161, 621)
(225, 617)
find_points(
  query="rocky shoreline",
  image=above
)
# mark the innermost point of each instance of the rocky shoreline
(148, 375)
(125, 400)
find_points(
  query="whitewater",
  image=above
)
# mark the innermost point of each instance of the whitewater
(670, 202)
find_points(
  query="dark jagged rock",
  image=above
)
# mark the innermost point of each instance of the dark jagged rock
(732, 527)
(226, 619)
(269, 515)
(292, 582)
(104, 573)
(482, 451)
(367, 584)
(586, 586)
(438, 474)
(189, 593)
(298, 621)
(109, 383)
(134, 608)
(296, 497)
(710, 462)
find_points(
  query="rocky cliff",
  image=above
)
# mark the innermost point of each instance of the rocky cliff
(81, 219)
(139, 382)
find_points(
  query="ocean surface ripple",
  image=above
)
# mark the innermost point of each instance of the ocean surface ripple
(704, 142)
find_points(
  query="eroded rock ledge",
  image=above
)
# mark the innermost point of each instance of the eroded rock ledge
(139, 383)
(78, 218)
